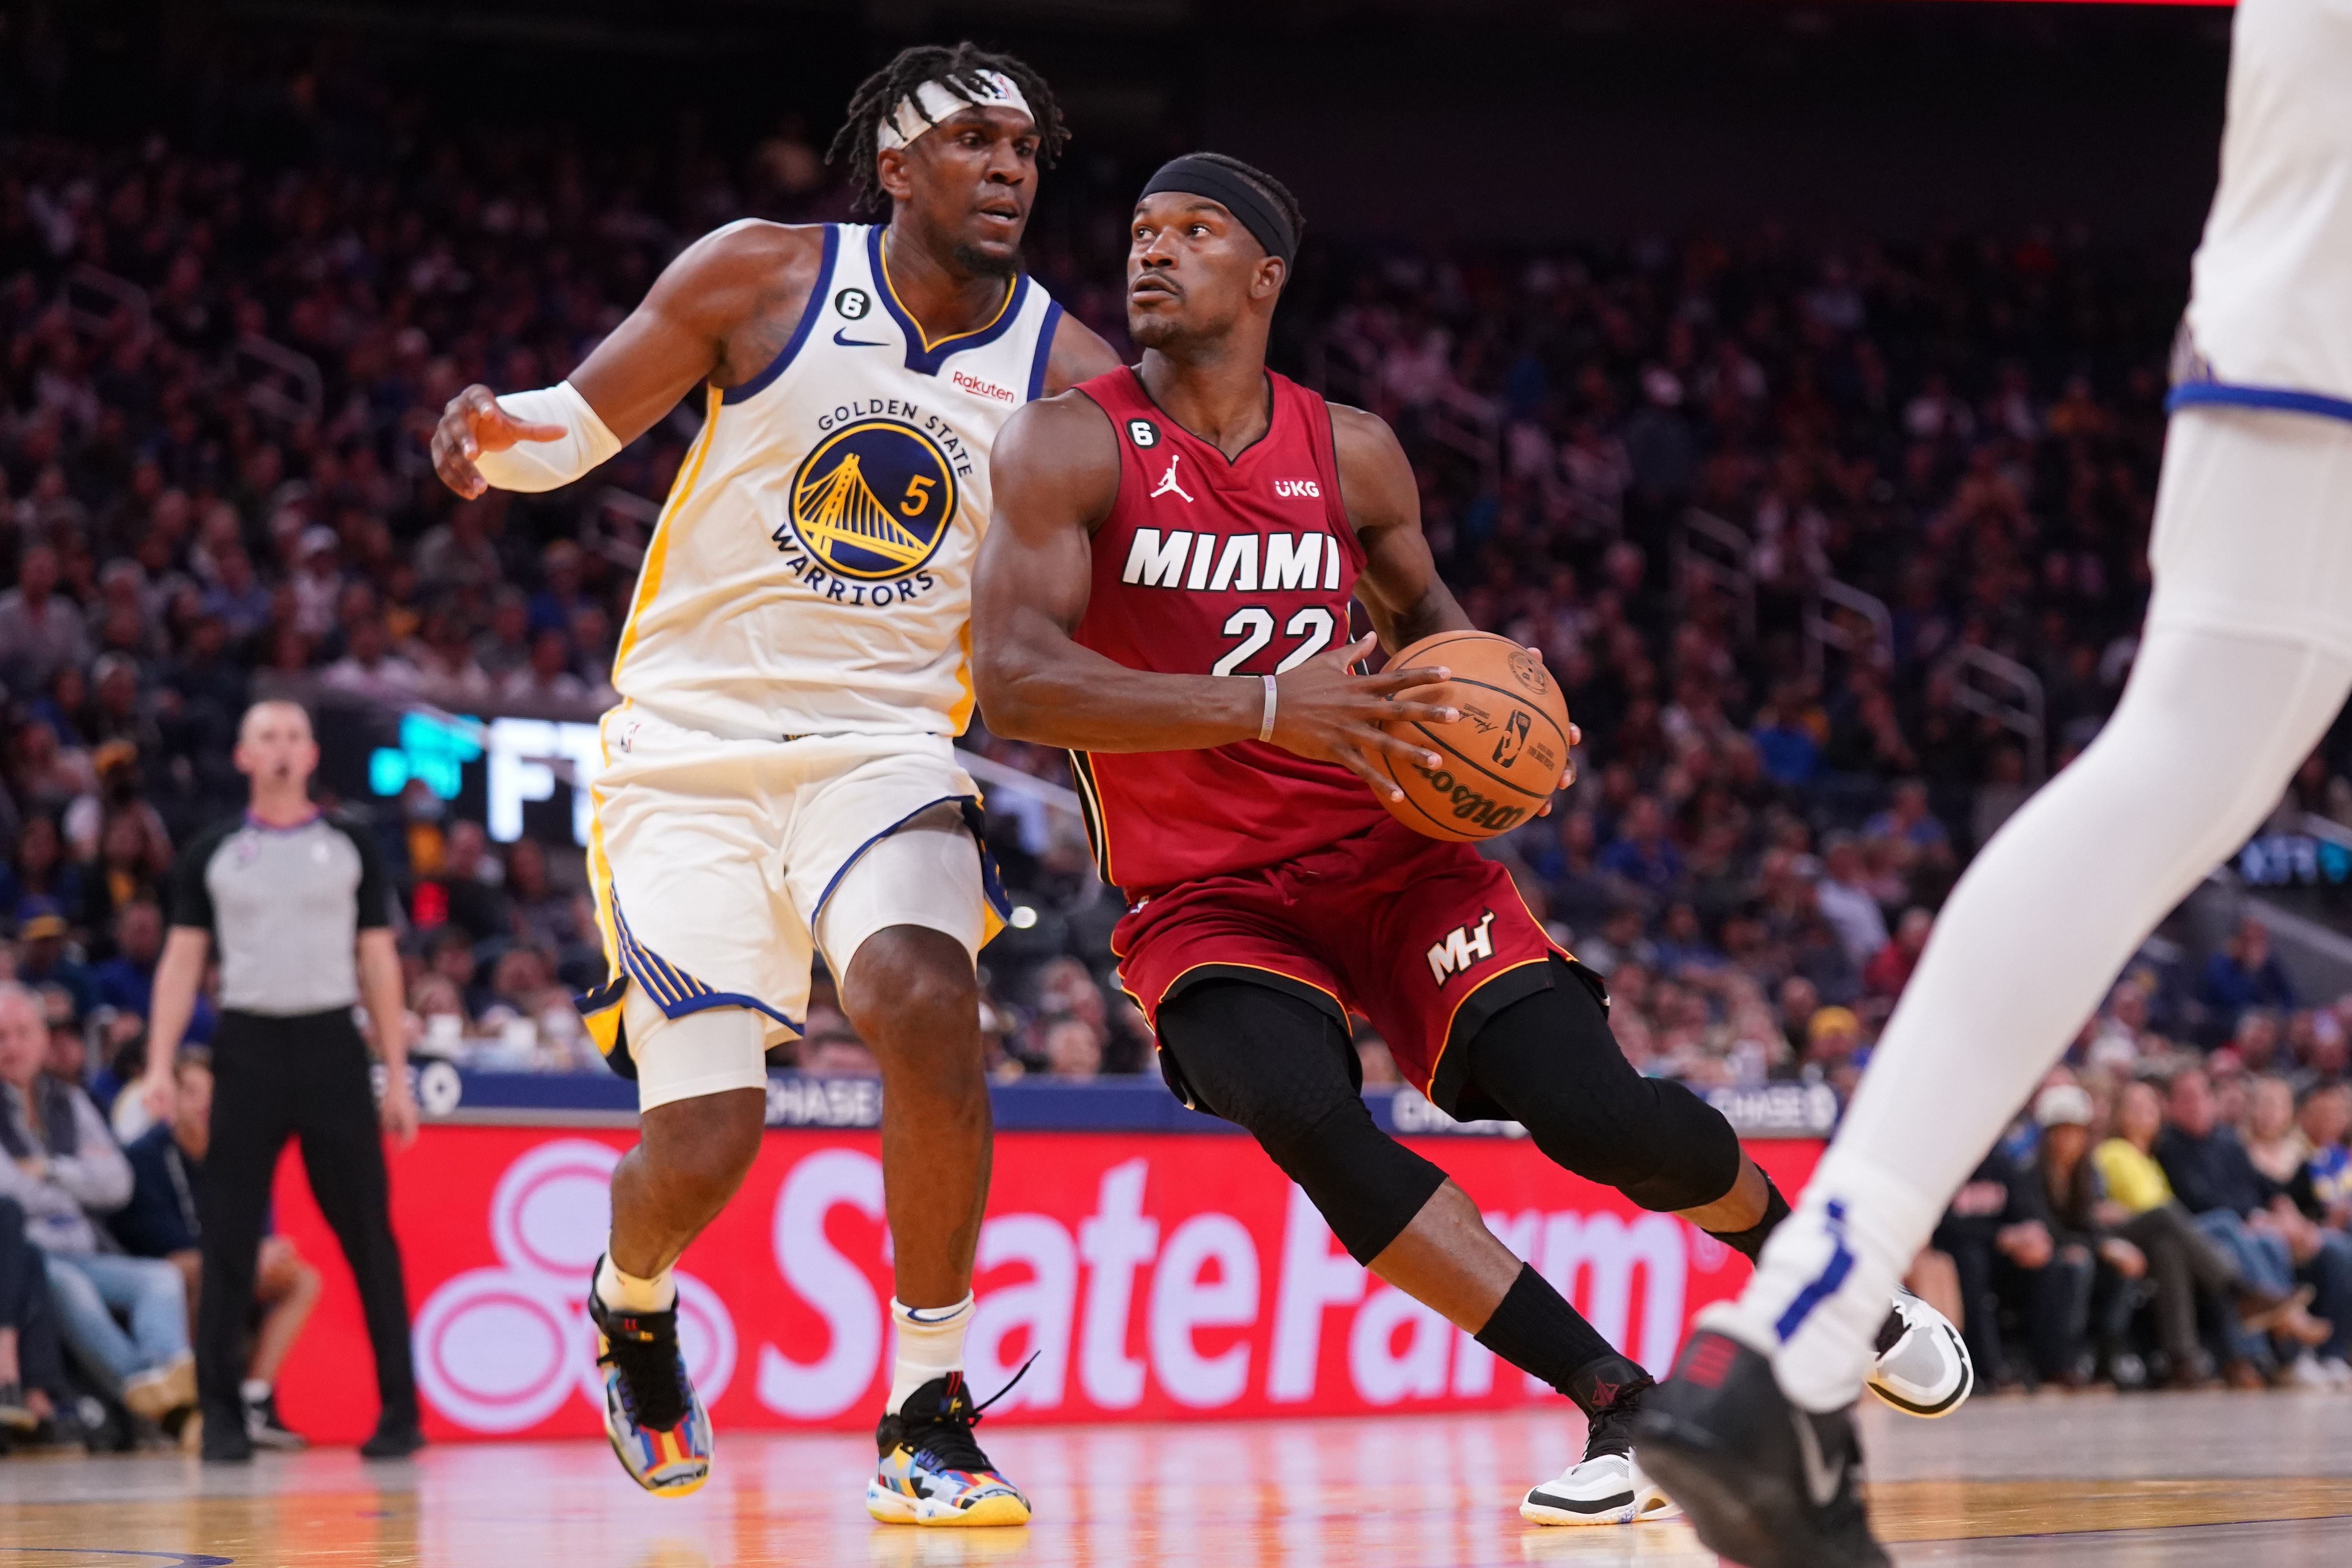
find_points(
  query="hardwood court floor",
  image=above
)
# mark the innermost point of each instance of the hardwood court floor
(2249, 1480)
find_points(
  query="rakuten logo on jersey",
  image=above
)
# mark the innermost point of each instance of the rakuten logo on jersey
(1297, 489)
(1233, 564)
(979, 389)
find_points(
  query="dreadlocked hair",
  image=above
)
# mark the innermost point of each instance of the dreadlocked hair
(878, 96)
(1273, 190)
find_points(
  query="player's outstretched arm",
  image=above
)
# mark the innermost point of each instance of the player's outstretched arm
(1055, 477)
(718, 312)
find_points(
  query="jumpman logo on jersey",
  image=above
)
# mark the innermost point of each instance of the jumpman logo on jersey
(1168, 480)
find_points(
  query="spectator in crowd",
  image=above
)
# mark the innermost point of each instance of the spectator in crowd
(1641, 856)
(1889, 969)
(2093, 1265)
(1845, 903)
(38, 879)
(1073, 1047)
(62, 1168)
(837, 1052)
(34, 1389)
(42, 630)
(2274, 1140)
(2245, 974)
(2273, 1243)
(1997, 1233)
(1908, 822)
(45, 960)
(162, 1220)
(2323, 1188)
(2183, 1259)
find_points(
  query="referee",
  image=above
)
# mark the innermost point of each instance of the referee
(296, 901)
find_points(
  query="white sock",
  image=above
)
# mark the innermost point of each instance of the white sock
(2232, 688)
(929, 1345)
(253, 1390)
(627, 1293)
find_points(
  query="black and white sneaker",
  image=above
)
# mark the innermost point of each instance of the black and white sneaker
(267, 1431)
(1606, 1486)
(1767, 1484)
(1921, 1366)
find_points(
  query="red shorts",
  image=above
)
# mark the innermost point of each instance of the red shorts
(1427, 940)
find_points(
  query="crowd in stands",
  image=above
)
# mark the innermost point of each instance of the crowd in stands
(99, 1251)
(222, 346)
(2159, 1217)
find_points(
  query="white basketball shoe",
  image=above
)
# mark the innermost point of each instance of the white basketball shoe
(1923, 1366)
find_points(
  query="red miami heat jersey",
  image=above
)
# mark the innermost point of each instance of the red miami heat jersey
(1207, 567)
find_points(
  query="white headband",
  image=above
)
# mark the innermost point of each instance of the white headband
(934, 101)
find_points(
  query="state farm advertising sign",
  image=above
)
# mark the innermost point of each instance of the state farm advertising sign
(1152, 1277)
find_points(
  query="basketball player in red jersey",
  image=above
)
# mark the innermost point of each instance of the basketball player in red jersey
(1165, 590)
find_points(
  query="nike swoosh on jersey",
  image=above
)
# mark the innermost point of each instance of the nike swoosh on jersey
(841, 336)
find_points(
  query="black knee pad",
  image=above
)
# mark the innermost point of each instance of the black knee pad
(1696, 1157)
(1550, 1063)
(1367, 1185)
(1281, 1067)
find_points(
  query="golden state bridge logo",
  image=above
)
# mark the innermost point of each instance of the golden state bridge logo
(874, 499)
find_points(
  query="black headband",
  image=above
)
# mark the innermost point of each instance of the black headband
(1198, 176)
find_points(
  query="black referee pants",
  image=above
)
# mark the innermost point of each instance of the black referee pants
(303, 1076)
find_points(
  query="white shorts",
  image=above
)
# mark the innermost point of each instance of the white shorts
(2271, 308)
(720, 867)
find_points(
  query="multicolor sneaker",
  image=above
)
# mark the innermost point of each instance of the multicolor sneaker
(658, 1428)
(932, 1472)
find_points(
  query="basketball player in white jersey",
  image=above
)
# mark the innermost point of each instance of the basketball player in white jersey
(2245, 660)
(779, 778)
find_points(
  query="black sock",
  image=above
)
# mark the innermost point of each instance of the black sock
(1535, 1330)
(1749, 1243)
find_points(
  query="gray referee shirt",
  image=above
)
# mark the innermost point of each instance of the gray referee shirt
(284, 907)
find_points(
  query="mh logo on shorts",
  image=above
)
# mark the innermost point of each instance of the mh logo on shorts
(1461, 948)
(874, 500)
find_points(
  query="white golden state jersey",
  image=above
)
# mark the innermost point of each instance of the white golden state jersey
(811, 574)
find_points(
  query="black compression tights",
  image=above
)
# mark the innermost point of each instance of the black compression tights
(1280, 1067)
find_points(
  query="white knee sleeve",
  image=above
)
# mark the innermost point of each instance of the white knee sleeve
(702, 1053)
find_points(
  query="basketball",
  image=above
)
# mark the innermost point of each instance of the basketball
(1502, 757)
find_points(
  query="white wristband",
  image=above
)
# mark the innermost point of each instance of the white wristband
(1266, 725)
(547, 465)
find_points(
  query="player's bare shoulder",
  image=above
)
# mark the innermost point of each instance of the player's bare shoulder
(1055, 462)
(1376, 479)
(746, 285)
(1079, 353)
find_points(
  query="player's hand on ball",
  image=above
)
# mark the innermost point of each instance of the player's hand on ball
(474, 424)
(1567, 775)
(1326, 711)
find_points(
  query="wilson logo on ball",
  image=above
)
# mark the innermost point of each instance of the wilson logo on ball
(1470, 807)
